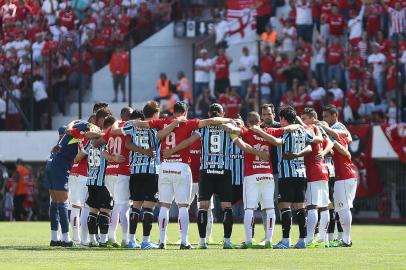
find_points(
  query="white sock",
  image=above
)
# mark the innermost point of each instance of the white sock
(311, 224)
(184, 225)
(209, 226)
(346, 220)
(163, 220)
(124, 220)
(92, 238)
(65, 237)
(75, 223)
(270, 224)
(227, 240)
(131, 238)
(103, 238)
(340, 234)
(324, 220)
(59, 231)
(202, 241)
(83, 224)
(146, 239)
(248, 223)
(114, 223)
(330, 236)
(54, 236)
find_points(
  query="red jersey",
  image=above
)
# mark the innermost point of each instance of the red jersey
(391, 78)
(353, 100)
(267, 64)
(316, 169)
(195, 153)
(180, 133)
(67, 19)
(301, 102)
(336, 24)
(116, 146)
(344, 168)
(231, 105)
(81, 167)
(221, 67)
(100, 47)
(354, 63)
(335, 54)
(252, 164)
(280, 77)
(264, 9)
(373, 13)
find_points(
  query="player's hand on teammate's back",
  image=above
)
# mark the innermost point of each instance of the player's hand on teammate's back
(167, 153)
(119, 158)
(181, 119)
(150, 153)
(255, 128)
(289, 156)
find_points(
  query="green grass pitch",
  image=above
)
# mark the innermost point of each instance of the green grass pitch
(25, 246)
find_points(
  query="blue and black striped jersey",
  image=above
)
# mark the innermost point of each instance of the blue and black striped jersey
(237, 165)
(216, 149)
(96, 164)
(295, 142)
(146, 139)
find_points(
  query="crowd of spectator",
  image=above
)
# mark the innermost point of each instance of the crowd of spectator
(50, 48)
(346, 53)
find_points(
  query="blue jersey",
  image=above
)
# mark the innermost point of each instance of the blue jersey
(69, 145)
(144, 138)
(237, 165)
(96, 164)
(216, 149)
(295, 142)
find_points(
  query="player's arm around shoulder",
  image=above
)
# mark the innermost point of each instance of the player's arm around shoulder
(214, 121)
(267, 135)
(263, 155)
(182, 145)
(113, 158)
(169, 128)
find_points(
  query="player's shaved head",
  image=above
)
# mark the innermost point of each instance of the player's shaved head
(137, 115)
(125, 113)
(150, 109)
(253, 118)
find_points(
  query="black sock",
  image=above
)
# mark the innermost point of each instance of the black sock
(339, 228)
(134, 216)
(104, 222)
(332, 223)
(316, 230)
(202, 222)
(301, 220)
(286, 222)
(228, 222)
(147, 220)
(253, 229)
(92, 223)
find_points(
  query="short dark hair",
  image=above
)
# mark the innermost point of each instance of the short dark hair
(253, 118)
(268, 105)
(98, 105)
(126, 110)
(137, 114)
(288, 113)
(310, 111)
(332, 109)
(180, 107)
(151, 108)
(109, 121)
(102, 113)
(216, 110)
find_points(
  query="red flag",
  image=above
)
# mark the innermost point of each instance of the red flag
(396, 135)
(361, 153)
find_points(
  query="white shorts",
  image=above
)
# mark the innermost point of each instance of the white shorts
(317, 193)
(175, 181)
(259, 188)
(119, 188)
(195, 193)
(344, 193)
(77, 190)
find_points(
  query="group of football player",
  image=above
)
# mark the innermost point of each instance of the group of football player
(108, 172)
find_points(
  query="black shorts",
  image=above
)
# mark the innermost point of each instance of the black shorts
(292, 189)
(331, 182)
(144, 187)
(237, 194)
(219, 184)
(99, 197)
